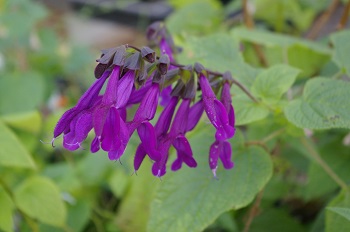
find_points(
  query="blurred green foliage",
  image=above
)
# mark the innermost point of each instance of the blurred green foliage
(291, 149)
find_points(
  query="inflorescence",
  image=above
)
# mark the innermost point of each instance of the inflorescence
(139, 77)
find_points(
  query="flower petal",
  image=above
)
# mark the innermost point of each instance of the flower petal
(180, 121)
(110, 140)
(148, 138)
(195, 115)
(124, 88)
(64, 122)
(224, 130)
(225, 155)
(110, 95)
(95, 145)
(163, 123)
(214, 156)
(139, 156)
(165, 96)
(184, 151)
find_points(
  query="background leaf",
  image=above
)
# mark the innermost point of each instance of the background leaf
(40, 198)
(190, 200)
(345, 212)
(325, 104)
(12, 152)
(341, 55)
(272, 83)
(7, 207)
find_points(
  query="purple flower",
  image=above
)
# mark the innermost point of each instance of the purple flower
(215, 111)
(222, 149)
(136, 77)
(175, 137)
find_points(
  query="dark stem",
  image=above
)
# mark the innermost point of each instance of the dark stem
(344, 17)
(254, 211)
(322, 20)
(234, 81)
(249, 22)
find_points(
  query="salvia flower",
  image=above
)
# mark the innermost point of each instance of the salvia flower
(138, 78)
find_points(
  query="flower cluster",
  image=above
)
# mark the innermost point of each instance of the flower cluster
(138, 77)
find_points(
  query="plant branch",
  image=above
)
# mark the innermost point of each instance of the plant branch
(322, 20)
(249, 22)
(309, 147)
(254, 211)
(234, 81)
(345, 16)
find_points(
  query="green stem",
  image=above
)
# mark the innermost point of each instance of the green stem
(273, 135)
(309, 147)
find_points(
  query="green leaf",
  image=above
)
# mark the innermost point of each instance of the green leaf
(20, 92)
(308, 56)
(307, 59)
(197, 17)
(218, 52)
(275, 220)
(247, 111)
(341, 55)
(133, 213)
(7, 207)
(325, 104)
(334, 221)
(12, 152)
(191, 199)
(272, 83)
(30, 122)
(40, 198)
(345, 212)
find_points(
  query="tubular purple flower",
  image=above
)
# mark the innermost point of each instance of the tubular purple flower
(163, 123)
(227, 102)
(222, 150)
(85, 102)
(215, 111)
(195, 115)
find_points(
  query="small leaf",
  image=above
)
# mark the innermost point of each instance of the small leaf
(272, 83)
(7, 206)
(40, 198)
(325, 104)
(344, 212)
(12, 152)
(336, 221)
(247, 111)
(191, 199)
(341, 54)
(30, 122)
(21, 92)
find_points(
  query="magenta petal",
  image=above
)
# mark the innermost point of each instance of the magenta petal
(165, 96)
(158, 169)
(110, 96)
(137, 95)
(110, 140)
(148, 138)
(139, 156)
(148, 105)
(195, 115)
(99, 119)
(180, 121)
(184, 151)
(114, 155)
(95, 145)
(225, 155)
(122, 112)
(163, 123)
(224, 130)
(64, 122)
(83, 127)
(91, 94)
(214, 155)
(176, 165)
(125, 86)
(231, 116)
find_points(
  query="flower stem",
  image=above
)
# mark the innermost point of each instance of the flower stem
(322, 20)
(309, 147)
(234, 81)
(344, 17)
